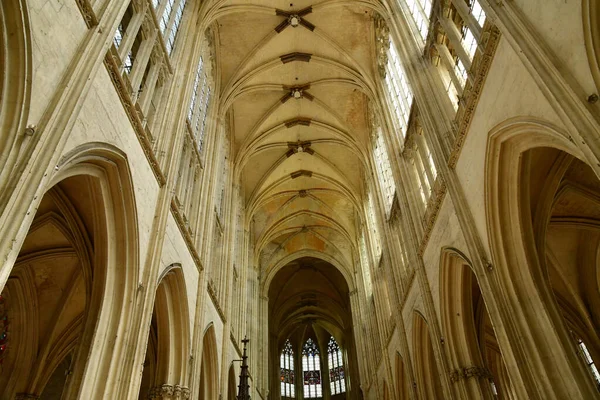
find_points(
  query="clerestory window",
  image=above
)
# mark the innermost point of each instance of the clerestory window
(384, 170)
(398, 90)
(170, 19)
(199, 103)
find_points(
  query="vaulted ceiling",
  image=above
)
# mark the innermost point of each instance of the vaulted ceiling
(296, 77)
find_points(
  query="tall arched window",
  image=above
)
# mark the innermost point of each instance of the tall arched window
(311, 367)
(286, 361)
(199, 104)
(337, 376)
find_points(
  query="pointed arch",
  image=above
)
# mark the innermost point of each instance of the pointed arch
(209, 370)
(591, 32)
(401, 378)
(543, 349)
(93, 200)
(426, 370)
(15, 87)
(168, 348)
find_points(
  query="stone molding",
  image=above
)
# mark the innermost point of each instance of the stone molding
(133, 113)
(171, 392)
(470, 97)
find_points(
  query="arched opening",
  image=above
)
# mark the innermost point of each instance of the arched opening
(209, 369)
(543, 216)
(386, 391)
(471, 340)
(63, 285)
(426, 370)
(231, 386)
(402, 379)
(312, 353)
(591, 29)
(166, 362)
(15, 86)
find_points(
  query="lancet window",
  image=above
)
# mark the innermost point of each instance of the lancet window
(420, 11)
(457, 35)
(170, 14)
(384, 170)
(337, 376)
(311, 368)
(198, 109)
(422, 162)
(398, 90)
(287, 376)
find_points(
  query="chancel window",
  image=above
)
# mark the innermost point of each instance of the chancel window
(311, 369)
(286, 362)
(337, 377)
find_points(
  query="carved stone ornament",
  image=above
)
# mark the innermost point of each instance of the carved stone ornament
(382, 43)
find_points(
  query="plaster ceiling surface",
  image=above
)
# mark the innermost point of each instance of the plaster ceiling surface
(300, 160)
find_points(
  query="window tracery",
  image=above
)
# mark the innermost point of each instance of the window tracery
(384, 170)
(287, 375)
(337, 377)
(198, 109)
(311, 368)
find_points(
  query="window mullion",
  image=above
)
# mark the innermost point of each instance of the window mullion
(130, 34)
(465, 13)
(140, 64)
(455, 38)
(150, 86)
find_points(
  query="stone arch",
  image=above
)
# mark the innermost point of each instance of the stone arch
(591, 31)
(167, 356)
(402, 379)
(231, 386)
(15, 85)
(277, 266)
(386, 391)
(429, 386)
(90, 206)
(470, 338)
(545, 365)
(209, 370)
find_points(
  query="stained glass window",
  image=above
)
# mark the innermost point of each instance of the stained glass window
(337, 377)
(286, 361)
(311, 368)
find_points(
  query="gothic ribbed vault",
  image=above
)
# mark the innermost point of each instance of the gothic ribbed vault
(296, 79)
